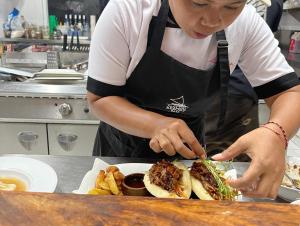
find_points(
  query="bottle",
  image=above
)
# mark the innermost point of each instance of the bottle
(92, 23)
(66, 22)
(70, 30)
(75, 20)
(86, 27)
(79, 25)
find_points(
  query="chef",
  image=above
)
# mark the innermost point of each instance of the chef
(155, 66)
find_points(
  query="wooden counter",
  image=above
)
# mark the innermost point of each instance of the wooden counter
(31, 209)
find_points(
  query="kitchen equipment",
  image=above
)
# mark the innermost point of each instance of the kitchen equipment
(39, 118)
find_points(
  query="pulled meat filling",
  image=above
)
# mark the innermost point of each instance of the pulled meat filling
(200, 172)
(167, 176)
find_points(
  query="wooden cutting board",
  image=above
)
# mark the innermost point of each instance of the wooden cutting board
(30, 209)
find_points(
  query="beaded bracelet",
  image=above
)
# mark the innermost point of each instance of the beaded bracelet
(281, 129)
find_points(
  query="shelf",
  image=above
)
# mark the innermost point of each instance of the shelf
(292, 58)
(41, 41)
(292, 8)
(289, 28)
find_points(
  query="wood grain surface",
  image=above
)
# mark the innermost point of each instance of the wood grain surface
(30, 209)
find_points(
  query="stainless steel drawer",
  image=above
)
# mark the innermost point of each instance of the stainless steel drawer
(23, 138)
(67, 139)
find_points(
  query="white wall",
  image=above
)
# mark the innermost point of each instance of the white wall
(35, 11)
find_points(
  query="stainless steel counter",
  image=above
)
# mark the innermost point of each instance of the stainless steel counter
(76, 89)
(71, 170)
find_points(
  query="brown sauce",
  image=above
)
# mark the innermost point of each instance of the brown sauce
(20, 185)
(135, 180)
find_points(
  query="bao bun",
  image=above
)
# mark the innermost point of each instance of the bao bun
(159, 192)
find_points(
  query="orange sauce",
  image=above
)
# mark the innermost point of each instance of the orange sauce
(20, 185)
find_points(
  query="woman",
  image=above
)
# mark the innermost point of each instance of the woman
(242, 106)
(153, 78)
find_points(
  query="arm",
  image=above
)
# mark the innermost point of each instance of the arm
(165, 133)
(273, 80)
(285, 110)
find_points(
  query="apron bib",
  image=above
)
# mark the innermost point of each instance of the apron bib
(164, 85)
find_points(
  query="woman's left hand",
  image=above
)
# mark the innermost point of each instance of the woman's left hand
(264, 175)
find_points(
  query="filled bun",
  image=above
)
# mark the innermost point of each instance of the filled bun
(208, 182)
(183, 188)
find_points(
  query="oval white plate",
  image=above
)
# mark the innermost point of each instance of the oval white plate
(37, 175)
(88, 181)
(287, 193)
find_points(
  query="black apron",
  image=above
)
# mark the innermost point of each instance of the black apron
(164, 85)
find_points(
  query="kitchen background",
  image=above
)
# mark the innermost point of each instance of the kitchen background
(44, 114)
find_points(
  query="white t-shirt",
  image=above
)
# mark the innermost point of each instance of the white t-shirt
(120, 38)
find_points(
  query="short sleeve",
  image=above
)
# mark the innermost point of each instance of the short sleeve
(262, 61)
(109, 55)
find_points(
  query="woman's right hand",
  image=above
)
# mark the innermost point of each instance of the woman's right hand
(171, 135)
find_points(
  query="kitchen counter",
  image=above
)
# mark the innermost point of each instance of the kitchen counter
(84, 210)
(31, 88)
(71, 169)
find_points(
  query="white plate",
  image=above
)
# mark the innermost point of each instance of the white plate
(287, 193)
(37, 175)
(58, 74)
(88, 181)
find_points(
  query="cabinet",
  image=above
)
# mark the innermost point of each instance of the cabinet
(68, 139)
(23, 138)
(44, 139)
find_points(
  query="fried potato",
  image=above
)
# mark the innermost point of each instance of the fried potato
(119, 176)
(96, 191)
(104, 185)
(112, 169)
(112, 183)
(100, 178)
(108, 182)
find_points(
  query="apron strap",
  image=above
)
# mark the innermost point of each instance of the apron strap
(160, 25)
(224, 74)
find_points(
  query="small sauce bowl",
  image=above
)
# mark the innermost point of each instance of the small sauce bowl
(133, 185)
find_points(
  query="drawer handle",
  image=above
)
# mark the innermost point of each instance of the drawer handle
(28, 139)
(67, 141)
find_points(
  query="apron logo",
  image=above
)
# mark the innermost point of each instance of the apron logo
(177, 106)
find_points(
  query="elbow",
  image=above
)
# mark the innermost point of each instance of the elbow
(92, 100)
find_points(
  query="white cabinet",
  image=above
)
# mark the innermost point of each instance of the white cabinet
(23, 138)
(70, 139)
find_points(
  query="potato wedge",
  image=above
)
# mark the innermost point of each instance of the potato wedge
(112, 183)
(112, 169)
(100, 178)
(104, 185)
(96, 191)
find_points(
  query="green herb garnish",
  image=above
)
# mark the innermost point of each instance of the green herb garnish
(226, 192)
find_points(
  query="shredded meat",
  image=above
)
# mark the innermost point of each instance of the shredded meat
(167, 176)
(200, 172)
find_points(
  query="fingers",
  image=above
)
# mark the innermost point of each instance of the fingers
(171, 144)
(276, 186)
(188, 136)
(179, 146)
(264, 188)
(166, 145)
(234, 150)
(249, 178)
(154, 145)
(275, 189)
